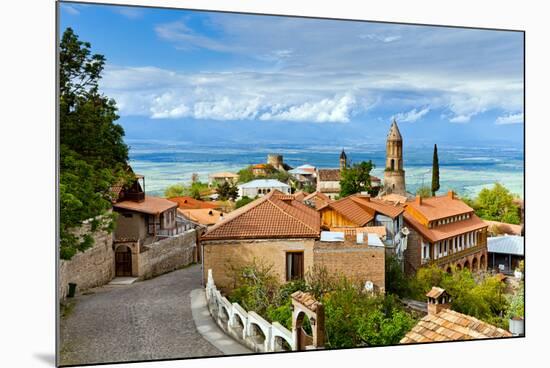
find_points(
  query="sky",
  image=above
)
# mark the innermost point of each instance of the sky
(210, 77)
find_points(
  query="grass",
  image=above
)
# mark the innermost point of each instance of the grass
(67, 308)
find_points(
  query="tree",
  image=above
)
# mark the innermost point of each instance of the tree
(93, 155)
(435, 172)
(246, 175)
(176, 190)
(497, 204)
(227, 191)
(424, 192)
(243, 201)
(356, 179)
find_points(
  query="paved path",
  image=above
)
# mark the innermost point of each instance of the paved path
(146, 320)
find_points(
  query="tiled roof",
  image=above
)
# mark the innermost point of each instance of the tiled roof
(150, 206)
(504, 228)
(386, 208)
(273, 216)
(394, 198)
(435, 208)
(352, 210)
(445, 231)
(329, 174)
(203, 216)
(299, 195)
(260, 166)
(185, 202)
(435, 292)
(448, 325)
(508, 244)
(306, 299)
(318, 198)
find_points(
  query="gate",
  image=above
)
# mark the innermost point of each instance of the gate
(123, 261)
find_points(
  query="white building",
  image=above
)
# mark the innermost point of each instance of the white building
(261, 187)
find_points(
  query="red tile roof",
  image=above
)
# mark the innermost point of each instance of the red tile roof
(151, 205)
(503, 227)
(300, 195)
(443, 232)
(435, 208)
(329, 174)
(273, 216)
(185, 202)
(448, 325)
(317, 198)
(203, 216)
(386, 208)
(351, 209)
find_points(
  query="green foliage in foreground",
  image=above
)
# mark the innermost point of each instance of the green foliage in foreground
(482, 296)
(243, 201)
(93, 155)
(496, 204)
(352, 317)
(227, 191)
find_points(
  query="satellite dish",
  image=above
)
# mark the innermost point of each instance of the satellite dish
(405, 231)
(369, 286)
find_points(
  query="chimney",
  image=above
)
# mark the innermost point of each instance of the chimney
(210, 213)
(418, 200)
(451, 194)
(438, 299)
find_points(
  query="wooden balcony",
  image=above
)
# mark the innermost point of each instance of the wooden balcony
(134, 196)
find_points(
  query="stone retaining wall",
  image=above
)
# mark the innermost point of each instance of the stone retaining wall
(168, 254)
(93, 267)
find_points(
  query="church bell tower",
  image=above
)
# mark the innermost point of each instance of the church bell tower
(343, 161)
(394, 175)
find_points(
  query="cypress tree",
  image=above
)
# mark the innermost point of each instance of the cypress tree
(435, 172)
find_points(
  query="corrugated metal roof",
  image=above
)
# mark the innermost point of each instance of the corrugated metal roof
(264, 183)
(507, 244)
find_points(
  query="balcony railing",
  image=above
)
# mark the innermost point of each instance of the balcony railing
(462, 253)
(134, 196)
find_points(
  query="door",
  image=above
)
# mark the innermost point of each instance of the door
(123, 261)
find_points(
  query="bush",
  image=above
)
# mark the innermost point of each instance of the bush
(243, 201)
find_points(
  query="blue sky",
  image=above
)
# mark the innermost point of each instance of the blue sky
(203, 77)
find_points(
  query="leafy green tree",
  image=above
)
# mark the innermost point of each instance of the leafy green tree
(424, 192)
(356, 179)
(243, 201)
(93, 155)
(227, 191)
(435, 172)
(497, 204)
(396, 281)
(309, 188)
(245, 175)
(176, 190)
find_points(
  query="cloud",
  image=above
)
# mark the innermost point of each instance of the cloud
(510, 119)
(129, 12)
(70, 9)
(380, 38)
(410, 116)
(332, 110)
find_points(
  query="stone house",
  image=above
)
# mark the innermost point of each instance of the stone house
(444, 230)
(222, 177)
(280, 231)
(261, 187)
(142, 220)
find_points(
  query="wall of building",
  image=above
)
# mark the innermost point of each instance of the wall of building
(331, 218)
(394, 182)
(220, 256)
(359, 263)
(413, 253)
(167, 255)
(91, 268)
(134, 227)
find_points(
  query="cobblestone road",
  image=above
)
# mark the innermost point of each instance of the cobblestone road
(143, 321)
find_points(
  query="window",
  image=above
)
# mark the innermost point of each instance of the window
(294, 265)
